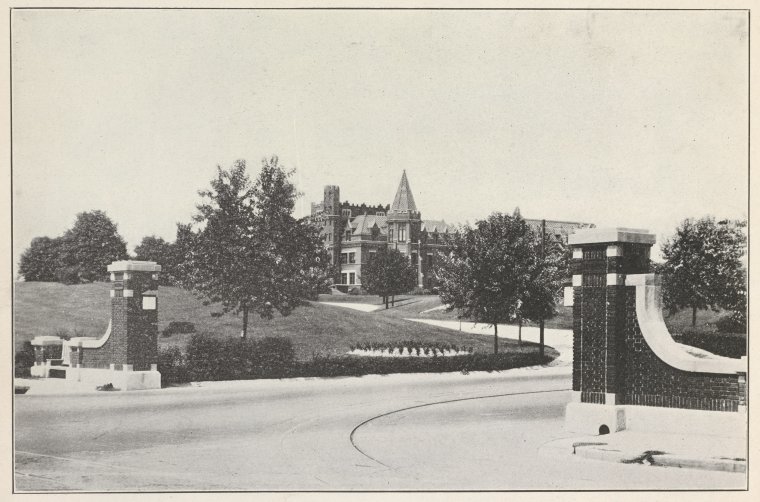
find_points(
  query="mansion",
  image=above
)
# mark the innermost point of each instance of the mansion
(353, 233)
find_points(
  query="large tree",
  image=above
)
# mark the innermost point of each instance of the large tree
(156, 249)
(89, 247)
(388, 273)
(250, 254)
(494, 273)
(40, 260)
(703, 266)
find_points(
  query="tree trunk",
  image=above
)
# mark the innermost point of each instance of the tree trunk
(245, 322)
(495, 338)
(393, 301)
(519, 331)
(693, 316)
(541, 339)
(385, 300)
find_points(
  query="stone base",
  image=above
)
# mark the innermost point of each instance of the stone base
(121, 380)
(587, 418)
(682, 421)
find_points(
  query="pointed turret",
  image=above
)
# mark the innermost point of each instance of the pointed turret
(404, 200)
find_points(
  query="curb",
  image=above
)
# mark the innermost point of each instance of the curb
(660, 459)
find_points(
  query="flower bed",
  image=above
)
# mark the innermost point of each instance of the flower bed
(406, 352)
(408, 348)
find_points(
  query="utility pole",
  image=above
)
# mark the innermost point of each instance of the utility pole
(541, 322)
(419, 263)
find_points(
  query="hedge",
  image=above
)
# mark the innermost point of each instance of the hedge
(722, 344)
(235, 359)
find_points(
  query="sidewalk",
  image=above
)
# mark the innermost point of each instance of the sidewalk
(714, 453)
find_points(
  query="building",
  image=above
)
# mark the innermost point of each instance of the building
(353, 233)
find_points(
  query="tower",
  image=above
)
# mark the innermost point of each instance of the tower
(404, 221)
(333, 224)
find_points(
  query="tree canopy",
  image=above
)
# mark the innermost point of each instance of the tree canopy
(703, 266)
(156, 249)
(40, 261)
(81, 254)
(495, 273)
(388, 273)
(250, 254)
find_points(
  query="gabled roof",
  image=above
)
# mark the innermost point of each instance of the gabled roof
(440, 226)
(404, 200)
(362, 224)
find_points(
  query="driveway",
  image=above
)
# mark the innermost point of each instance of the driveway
(396, 432)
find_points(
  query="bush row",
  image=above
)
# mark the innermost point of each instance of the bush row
(234, 359)
(24, 360)
(727, 345)
(411, 346)
(735, 322)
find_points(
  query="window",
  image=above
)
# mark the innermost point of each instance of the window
(348, 235)
(352, 278)
(430, 260)
(351, 257)
(390, 234)
(344, 278)
(343, 258)
(371, 256)
(402, 234)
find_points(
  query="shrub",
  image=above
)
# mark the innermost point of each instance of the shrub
(172, 366)
(239, 359)
(178, 327)
(24, 360)
(735, 322)
(421, 291)
(722, 344)
(329, 366)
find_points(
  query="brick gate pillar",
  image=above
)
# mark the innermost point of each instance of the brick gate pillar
(134, 314)
(601, 260)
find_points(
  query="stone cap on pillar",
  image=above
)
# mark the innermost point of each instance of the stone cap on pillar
(134, 266)
(611, 235)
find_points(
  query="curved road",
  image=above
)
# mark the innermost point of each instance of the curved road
(368, 433)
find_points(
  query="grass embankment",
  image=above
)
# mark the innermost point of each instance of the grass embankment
(83, 310)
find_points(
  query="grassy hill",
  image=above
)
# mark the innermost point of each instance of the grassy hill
(83, 310)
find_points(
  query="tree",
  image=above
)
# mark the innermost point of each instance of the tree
(89, 247)
(251, 255)
(494, 273)
(546, 276)
(388, 273)
(703, 267)
(156, 249)
(40, 261)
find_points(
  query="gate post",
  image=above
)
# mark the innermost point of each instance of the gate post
(601, 260)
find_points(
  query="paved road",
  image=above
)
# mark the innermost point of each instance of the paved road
(369, 433)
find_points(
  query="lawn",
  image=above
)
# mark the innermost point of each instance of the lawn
(418, 306)
(83, 310)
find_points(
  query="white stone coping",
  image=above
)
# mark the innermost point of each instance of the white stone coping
(41, 341)
(657, 336)
(134, 265)
(89, 342)
(608, 235)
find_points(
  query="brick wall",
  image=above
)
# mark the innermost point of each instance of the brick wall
(611, 356)
(134, 331)
(651, 382)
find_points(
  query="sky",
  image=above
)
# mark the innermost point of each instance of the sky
(617, 118)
